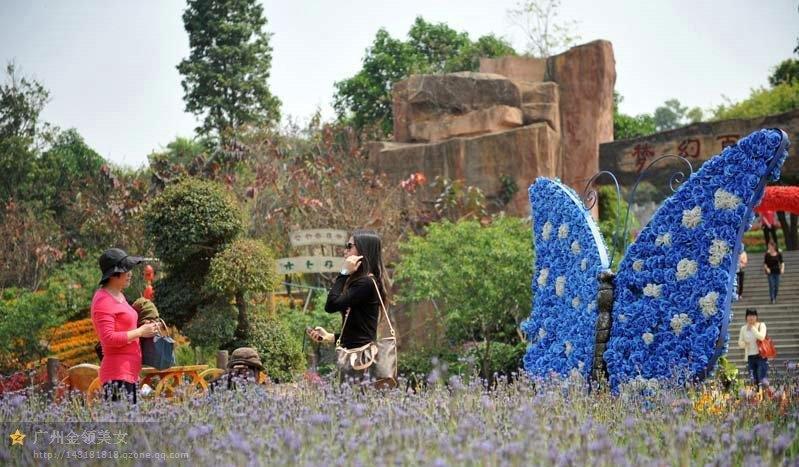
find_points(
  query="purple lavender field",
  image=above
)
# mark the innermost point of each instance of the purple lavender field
(453, 423)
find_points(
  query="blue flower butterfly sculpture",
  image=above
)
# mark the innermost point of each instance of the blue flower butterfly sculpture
(666, 312)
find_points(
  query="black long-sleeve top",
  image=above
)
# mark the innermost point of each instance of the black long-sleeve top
(364, 304)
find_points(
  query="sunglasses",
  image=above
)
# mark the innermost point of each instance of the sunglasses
(348, 245)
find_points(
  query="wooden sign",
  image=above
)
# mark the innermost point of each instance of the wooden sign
(318, 237)
(309, 264)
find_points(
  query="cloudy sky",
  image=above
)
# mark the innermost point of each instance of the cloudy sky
(110, 64)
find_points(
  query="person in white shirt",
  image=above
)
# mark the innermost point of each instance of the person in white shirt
(752, 332)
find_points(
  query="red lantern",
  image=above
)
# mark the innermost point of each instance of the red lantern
(149, 273)
(149, 293)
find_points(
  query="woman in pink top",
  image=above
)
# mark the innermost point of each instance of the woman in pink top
(115, 324)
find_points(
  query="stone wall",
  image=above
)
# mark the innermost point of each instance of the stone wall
(697, 143)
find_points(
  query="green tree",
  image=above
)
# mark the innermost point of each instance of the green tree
(478, 277)
(628, 126)
(21, 103)
(672, 114)
(225, 76)
(280, 351)
(545, 34)
(365, 99)
(761, 101)
(786, 72)
(188, 224)
(245, 268)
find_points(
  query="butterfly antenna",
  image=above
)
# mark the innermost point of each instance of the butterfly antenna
(590, 197)
(675, 180)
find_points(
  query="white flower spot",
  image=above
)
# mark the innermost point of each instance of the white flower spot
(623, 318)
(648, 338)
(685, 269)
(576, 247)
(692, 218)
(542, 333)
(638, 265)
(663, 240)
(709, 304)
(591, 306)
(563, 231)
(560, 286)
(718, 250)
(576, 302)
(568, 348)
(542, 277)
(678, 322)
(546, 232)
(725, 200)
(652, 290)
(584, 264)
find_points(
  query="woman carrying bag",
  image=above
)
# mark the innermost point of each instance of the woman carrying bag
(758, 348)
(115, 323)
(359, 295)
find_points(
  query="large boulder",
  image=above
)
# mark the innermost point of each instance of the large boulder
(540, 103)
(586, 76)
(422, 98)
(476, 122)
(523, 154)
(516, 68)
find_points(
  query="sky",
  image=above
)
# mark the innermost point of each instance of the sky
(110, 64)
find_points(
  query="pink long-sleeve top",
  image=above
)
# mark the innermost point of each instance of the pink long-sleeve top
(112, 320)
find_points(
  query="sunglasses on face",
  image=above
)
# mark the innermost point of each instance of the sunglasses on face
(348, 245)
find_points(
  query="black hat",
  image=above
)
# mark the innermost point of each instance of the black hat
(751, 312)
(115, 261)
(246, 356)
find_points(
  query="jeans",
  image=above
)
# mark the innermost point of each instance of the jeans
(773, 286)
(758, 368)
(117, 390)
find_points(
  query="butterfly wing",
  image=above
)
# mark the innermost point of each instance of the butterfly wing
(569, 256)
(674, 287)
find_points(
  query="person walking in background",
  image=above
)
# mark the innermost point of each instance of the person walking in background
(743, 259)
(751, 333)
(773, 266)
(768, 222)
(115, 323)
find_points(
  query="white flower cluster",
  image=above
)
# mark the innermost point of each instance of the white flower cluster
(652, 290)
(723, 199)
(678, 322)
(718, 250)
(576, 302)
(542, 277)
(563, 231)
(569, 348)
(648, 338)
(709, 304)
(692, 218)
(638, 265)
(623, 318)
(546, 232)
(591, 306)
(663, 240)
(542, 333)
(560, 285)
(584, 264)
(576, 247)
(686, 268)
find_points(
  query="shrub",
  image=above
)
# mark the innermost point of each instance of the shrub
(214, 325)
(281, 353)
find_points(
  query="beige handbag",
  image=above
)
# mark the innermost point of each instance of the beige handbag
(379, 357)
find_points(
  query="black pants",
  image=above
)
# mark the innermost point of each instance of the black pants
(770, 231)
(119, 390)
(740, 275)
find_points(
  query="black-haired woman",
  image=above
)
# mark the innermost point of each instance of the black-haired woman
(773, 266)
(355, 295)
(751, 333)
